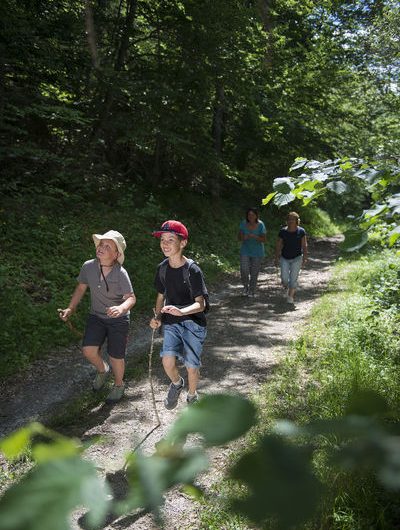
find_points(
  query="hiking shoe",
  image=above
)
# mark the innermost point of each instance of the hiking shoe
(190, 400)
(116, 394)
(101, 377)
(290, 300)
(174, 391)
(245, 292)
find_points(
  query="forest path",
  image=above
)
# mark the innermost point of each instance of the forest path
(246, 339)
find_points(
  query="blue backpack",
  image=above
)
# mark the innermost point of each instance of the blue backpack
(186, 277)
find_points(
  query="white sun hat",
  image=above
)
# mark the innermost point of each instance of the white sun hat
(118, 239)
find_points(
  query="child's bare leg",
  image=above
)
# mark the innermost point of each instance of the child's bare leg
(169, 364)
(292, 292)
(92, 354)
(193, 379)
(118, 368)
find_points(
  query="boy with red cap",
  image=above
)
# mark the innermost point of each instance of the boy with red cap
(180, 306)
(111, 297)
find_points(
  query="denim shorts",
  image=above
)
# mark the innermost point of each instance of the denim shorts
(185, 341)
(115, 330)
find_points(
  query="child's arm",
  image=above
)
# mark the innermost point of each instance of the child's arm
(119, 310)
(198, 306)
(75, 299)
(155, 322)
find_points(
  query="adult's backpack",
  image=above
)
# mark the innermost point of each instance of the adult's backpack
(186, 276)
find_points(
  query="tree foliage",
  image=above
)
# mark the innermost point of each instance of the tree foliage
(355, 181)
(97, 94)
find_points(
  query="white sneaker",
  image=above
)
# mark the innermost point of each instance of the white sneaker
(290, 300)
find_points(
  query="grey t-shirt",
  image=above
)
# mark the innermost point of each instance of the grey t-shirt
(118, 283)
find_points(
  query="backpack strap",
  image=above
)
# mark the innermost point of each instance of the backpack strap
(186, 275)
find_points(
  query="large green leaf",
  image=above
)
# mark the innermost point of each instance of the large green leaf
(337, 186)
(298, 163)
(150, 477)
(394, 204)
(283, 185)
(394, 236)
(281, 199)
(219, 418)
(280, 482)
(45, 497)
(354, 240)
(266, 199)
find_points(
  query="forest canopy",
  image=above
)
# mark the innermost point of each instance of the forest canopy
(199, 94)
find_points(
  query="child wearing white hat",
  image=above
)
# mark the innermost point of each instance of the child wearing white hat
(111, 297)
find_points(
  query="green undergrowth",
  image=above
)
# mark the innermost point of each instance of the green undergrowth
(352, 342)
(46, 238)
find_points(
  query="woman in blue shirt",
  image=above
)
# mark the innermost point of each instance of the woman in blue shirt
(291, 253)
(252, 235)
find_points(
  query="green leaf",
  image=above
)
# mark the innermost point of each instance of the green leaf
(266, 200)
(281, 483)
(16, 444)
(283, 185)
(337, 186)
(375, 211)
(45, 497)
(308, 185)
(394, 236)
(354, 240)
(60, 448)
(298, 163)
(150, 477)
(394, 204)
(346, 165)
(313, 164)
(219, 418)
(281, 199)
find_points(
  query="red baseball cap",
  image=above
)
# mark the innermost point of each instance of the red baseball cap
(175, 227)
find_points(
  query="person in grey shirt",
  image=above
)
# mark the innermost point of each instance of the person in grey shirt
(111, 298)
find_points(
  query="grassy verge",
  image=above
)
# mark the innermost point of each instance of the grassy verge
(352, 341)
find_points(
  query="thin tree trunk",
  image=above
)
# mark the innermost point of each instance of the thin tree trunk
(118, 66)
(218, 130)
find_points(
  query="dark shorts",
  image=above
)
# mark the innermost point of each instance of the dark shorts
(114, 330)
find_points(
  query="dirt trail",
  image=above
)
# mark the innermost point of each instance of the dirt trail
(245, 341)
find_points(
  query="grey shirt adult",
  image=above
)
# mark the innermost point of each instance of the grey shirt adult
(118, 282)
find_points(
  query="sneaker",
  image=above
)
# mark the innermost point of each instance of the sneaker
(174, 391)
(290, 300)
(252, 295)
(101, 377)
(190, 400)
(116, 394)
(245, 292)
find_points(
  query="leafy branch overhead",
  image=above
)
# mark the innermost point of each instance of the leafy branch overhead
(311, 180)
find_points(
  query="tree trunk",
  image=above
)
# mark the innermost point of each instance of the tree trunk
(218, 130)
(118, 66)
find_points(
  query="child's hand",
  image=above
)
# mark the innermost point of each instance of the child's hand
(115, 311)
(64, 314)
(172, 310)
(155, 323)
